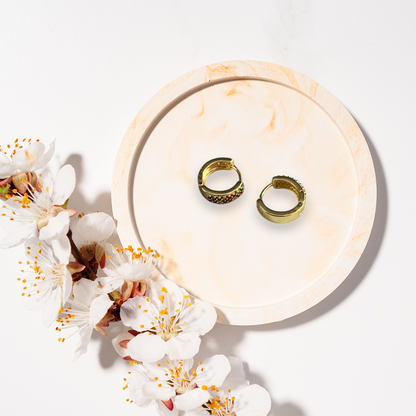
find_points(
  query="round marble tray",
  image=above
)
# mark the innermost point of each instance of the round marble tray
(272, 121)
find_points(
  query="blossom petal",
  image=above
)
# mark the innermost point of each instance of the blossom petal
(237, 369)
(64, 185)
(3, 159)
(25, 158)
(122, 264)
(47, 183)
(157, 369)
(61, 249)
(191, 399)
(158, 391)
(37, 302)
(110, 283)
(183, 346)
(21, 232)
(45, 158)
(234, 384)
(51, 309)
(199, 318)
(84, 338)
(56, 228)
(111, 251)
(139, 271)
(132, 315)
(85, 291)
(93, 228)
(147, 347)
(66, 286)
(99, 307)
(252, 401)
(132, 272)
(136, 381)
(7, 167)
(187, 364)
(33, 245)
(171, 291)
(213, 371)
(199, 411)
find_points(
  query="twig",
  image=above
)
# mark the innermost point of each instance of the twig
(80, 259)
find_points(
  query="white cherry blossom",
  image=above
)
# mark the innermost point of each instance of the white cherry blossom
(138, 377)
(177, 379)
(93, 228)
(47, 282)
(90, 234)
(38, 213)
(174, 385)
(22, 158)
(126, 268)
(235, 397)
(168, 322)
(87, 307)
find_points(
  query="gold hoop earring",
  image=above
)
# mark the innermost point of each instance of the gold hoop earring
(283, 217)
(219, 197)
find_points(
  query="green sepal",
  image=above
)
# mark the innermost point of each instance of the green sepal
(115, 296)
(65, 204)
(4, 190)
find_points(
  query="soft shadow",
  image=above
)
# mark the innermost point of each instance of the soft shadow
(77, 201)
(108, 354)
(286, 409)
(221, 340)
(282, 409)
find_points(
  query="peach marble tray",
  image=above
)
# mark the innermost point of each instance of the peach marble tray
(271, 120)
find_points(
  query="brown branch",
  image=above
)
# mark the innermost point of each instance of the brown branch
(80, 259)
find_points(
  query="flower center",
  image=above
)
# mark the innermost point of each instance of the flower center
(13, 148)
(45, 213)
(140, 255)
(220, 407)
(58, 274)
(165, 322)
(179, 379)
(167, 327)
(36, 206)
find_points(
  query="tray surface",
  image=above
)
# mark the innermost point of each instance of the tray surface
(271, 121)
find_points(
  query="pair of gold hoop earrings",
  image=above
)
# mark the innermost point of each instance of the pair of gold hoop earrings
(229, 195)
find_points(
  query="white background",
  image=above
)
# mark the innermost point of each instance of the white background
(79, 71)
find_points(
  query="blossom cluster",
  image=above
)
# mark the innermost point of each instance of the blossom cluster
(81, 283)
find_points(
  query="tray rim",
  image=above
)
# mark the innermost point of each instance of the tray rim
(202, 77)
